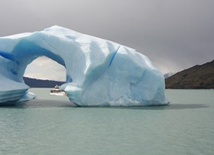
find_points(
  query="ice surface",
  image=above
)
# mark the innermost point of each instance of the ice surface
(99, 72)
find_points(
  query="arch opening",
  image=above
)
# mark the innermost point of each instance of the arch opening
(44, 68)
(37, 62)
(44, 73)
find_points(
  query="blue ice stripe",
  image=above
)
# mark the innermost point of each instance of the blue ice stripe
(7, 56)
(113, 56)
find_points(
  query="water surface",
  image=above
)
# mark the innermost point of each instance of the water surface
(51, 125)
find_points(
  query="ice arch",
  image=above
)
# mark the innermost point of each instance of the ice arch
(99, 72)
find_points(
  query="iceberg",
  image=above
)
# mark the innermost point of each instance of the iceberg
(98, 72)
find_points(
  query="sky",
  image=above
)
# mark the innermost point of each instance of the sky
(174, 34)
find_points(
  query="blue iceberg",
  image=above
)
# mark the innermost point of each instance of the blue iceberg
(99, 72)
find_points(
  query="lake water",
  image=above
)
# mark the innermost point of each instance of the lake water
(50, 125)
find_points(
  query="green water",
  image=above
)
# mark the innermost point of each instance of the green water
(51, 126)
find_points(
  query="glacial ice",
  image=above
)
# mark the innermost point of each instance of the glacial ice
(99, 72)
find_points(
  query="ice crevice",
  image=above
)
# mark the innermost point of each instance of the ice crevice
(113, 56)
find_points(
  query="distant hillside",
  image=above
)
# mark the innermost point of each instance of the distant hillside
(196, 77)
(41, 83)
(167, 75)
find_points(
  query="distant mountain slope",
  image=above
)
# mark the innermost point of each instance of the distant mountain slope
(41, 83)
(167, 75)
(196, 77)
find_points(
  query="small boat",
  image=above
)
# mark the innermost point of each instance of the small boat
(57, 91)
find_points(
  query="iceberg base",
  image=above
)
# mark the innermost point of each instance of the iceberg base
(11, 96)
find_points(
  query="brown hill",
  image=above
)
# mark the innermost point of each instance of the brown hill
(196, 77)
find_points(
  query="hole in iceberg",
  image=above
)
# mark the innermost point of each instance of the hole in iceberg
(44, 72)
(46, 69)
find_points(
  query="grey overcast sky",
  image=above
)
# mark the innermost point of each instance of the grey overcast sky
(174, 34)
